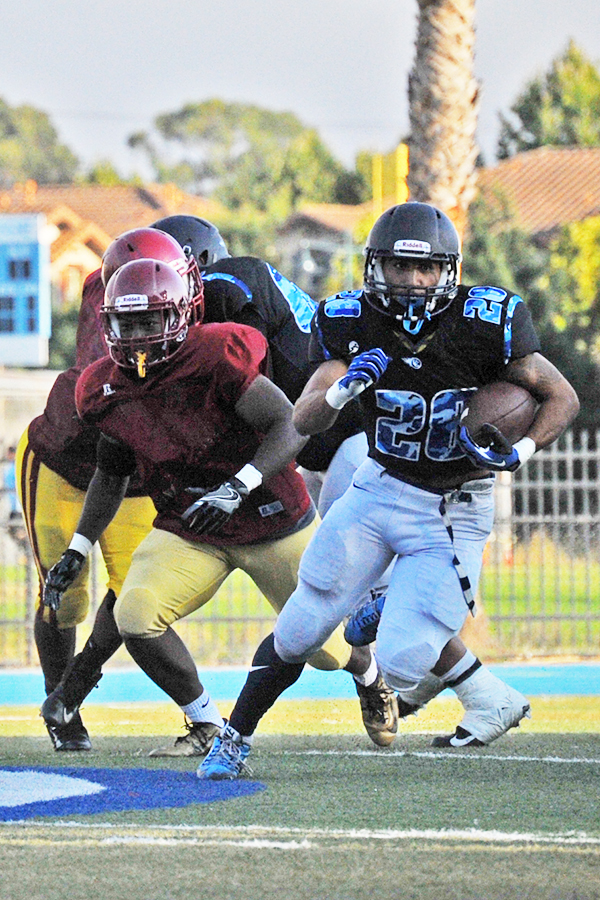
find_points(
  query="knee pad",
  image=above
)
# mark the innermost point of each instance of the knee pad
(405, 667)
(136, 614)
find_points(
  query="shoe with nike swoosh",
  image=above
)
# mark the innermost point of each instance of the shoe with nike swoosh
(70, 738)
(484, 724)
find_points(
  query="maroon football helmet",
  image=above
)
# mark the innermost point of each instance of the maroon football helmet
(146, 314)
(151, 243)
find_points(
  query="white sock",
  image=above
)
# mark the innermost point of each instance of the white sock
(370, 676)
(203, 710)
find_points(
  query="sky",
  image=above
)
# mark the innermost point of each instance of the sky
(102, 71)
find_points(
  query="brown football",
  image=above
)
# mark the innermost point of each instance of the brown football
(507, 406)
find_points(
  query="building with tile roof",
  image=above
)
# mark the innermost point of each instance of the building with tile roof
(547, 187)
(84, 219)
(542, 189)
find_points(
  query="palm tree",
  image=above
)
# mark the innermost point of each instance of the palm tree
(443, 103)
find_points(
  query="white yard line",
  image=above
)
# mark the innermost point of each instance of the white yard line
(437, 754)
(264, 836)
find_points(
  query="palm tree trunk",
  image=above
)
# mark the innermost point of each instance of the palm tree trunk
(443, 103)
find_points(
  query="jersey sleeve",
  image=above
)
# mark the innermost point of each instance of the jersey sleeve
(241, 355)
(115, 457)
(332, 328)
(90, 341)
(520, 336)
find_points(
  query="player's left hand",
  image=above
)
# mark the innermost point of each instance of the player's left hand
(494, 451)
(61, 576)
(213, 509)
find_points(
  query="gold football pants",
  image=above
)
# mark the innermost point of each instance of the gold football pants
(169, 578)
(51, 510)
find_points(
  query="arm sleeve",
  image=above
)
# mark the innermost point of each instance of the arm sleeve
(115, 458)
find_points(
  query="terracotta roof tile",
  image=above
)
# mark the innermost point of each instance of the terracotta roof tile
(113, 209)
(547, 187)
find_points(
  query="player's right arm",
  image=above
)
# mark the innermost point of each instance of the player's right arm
(312, 413)
(102, 501)
(365, 370)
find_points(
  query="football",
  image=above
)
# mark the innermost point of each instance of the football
(507, 406)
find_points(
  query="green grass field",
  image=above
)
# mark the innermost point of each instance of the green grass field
(339, 819)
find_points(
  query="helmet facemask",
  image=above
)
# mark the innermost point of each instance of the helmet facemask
(409, 305)
(146, 314)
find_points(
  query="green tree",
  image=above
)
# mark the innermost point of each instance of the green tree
(560, 108)
(560, 284)
(29, 148)
(244, 155)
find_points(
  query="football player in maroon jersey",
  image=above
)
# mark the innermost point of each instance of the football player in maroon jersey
(189, 408)
(56, 459)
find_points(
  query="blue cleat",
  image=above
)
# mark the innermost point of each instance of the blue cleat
(227, 757)
(361, 627)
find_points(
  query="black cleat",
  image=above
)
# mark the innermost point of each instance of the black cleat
(460, 738)
(196, 742)
(55, 712)
(71, 738)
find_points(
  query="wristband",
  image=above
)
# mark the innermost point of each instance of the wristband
(80, 544)
(250, 476)
(525, 448)
(337, 397)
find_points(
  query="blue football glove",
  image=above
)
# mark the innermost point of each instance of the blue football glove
(61, 576)
(214, 508)
(364, 370)
(494, 451)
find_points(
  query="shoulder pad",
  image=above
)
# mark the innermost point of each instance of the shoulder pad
(346, 304)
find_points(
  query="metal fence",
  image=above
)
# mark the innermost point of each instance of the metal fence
(539, 591)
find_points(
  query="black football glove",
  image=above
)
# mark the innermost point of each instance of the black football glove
(61, 576)
(208, 514)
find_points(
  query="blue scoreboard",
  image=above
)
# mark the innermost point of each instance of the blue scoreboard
(25, 310)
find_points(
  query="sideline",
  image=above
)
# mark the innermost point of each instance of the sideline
(127, 685)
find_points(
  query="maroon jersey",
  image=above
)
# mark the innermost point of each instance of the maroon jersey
(179, 428)
(57, 437)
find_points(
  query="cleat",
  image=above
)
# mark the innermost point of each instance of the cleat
(197, 742)
(71, 738)
(379, 709)
(406, 709)
(227, 758)
(484, 723)
(55, 712)
(61, 705)
(460, 738)
(361, 627)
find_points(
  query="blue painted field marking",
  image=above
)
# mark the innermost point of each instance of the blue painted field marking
(23, 687)
(109, 790)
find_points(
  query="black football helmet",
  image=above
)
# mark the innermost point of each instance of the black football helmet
(197, 236)
(146, 314)
(412, 231)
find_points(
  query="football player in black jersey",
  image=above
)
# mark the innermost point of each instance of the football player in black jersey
(413, 345)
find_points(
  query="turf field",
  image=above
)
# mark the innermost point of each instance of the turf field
(330, 816)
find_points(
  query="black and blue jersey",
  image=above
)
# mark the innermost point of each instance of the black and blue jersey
(412, 414)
